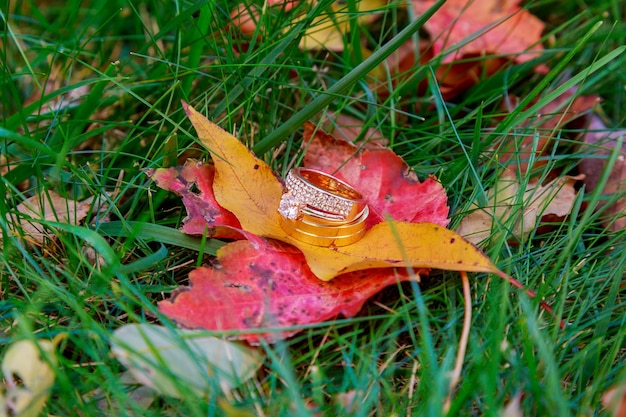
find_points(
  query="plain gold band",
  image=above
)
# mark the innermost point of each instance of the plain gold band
(323, 241)
(313, 225)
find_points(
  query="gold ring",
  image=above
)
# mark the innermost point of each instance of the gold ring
(311, 226)
(324, 241)
(314, 193)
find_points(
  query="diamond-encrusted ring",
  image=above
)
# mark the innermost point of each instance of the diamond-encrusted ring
(313, 193)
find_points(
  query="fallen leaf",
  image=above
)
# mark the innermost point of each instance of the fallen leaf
(599, 142)
(614, 400)
(453, 78)
(28, 377)
(247, 187)
(245, 18)
(194, 183)
(348, 128)
(385, 180)
(507, 199)
(558, 114)
(48, 206)
(267, 284)
(328, 30)
(494, 27)
(176, 361)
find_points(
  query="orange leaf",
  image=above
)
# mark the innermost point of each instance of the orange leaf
(247, 187)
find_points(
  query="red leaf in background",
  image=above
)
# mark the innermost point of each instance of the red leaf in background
(499, 27)
(454, 78)
(261, 283)
(344, 127)
(194, 183)
(600, 141)
(554, 116)
(384, 179)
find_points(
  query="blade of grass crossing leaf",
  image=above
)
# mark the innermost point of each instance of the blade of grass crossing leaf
(520, 113)
(91, 237)
(144, 263)
(158, 233)
(429, 361)
(21, 118)
(81, 118)
(326, 97)
(578, 228)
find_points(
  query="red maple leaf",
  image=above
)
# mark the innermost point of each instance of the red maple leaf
(497, 28)
(266, 284)
(194, 183)
(388, 185)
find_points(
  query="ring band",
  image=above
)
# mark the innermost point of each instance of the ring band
(323, 241)
(308, 225)
(313, 192)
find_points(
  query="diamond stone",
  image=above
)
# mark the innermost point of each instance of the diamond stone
(289, 207)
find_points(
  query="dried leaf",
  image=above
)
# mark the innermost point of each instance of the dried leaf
(554, 116)
(327, 31)
(176, 361)
(506, 199)
(246, 186)
(49, 206)
(29, 377)
(266, 284)
(453, 78)
(347, 128)
(600, 142)
(499, 28)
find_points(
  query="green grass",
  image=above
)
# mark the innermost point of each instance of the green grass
(137, 60)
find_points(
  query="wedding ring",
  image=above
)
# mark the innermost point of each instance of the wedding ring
(324, 241)
(310, 225)
(321, 210)
(314, 193)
